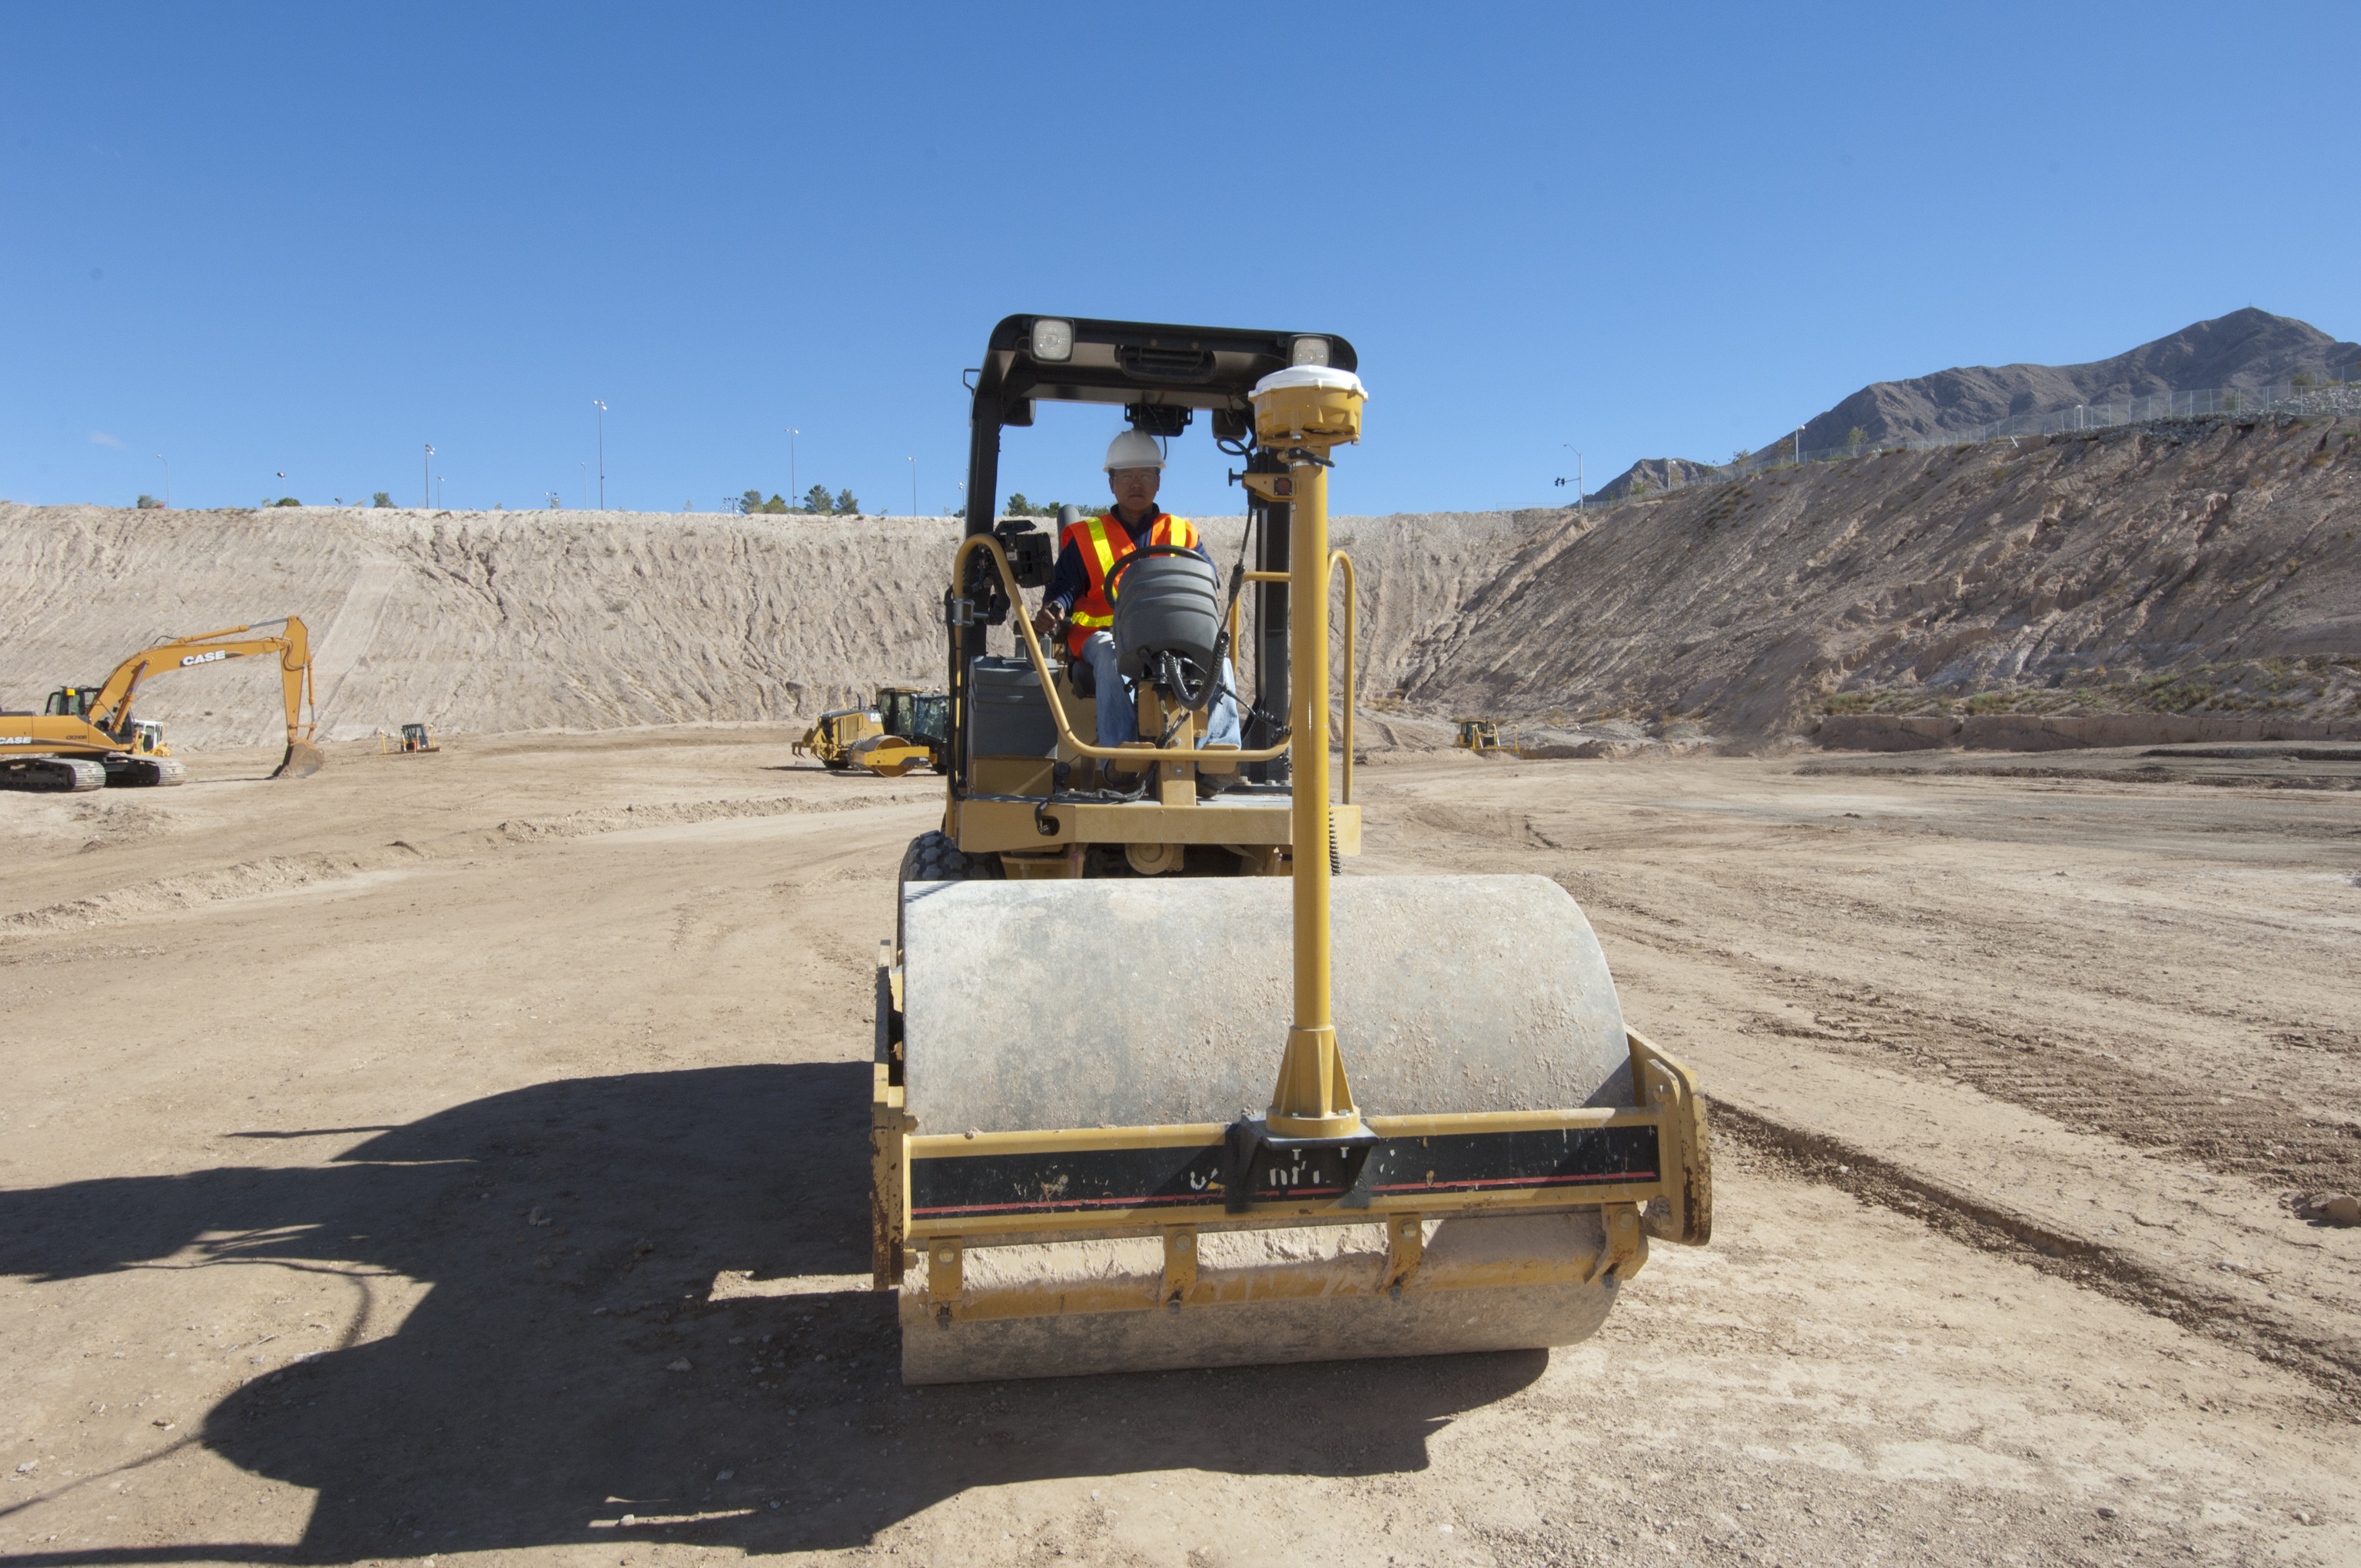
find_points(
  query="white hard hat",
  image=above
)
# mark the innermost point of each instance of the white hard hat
(1133, 450)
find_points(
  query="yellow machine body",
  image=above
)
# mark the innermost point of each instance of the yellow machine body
(832, 737)
(1482, 736)
(415, 740)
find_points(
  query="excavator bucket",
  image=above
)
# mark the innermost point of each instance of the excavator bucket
(302, 760)
(1074, 1053)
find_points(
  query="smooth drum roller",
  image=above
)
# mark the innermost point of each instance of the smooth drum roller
(1036, 1007)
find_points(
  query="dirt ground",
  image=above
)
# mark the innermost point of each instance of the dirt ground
(463, 1155)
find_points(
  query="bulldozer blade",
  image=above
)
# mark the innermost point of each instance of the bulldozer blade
(302, 760)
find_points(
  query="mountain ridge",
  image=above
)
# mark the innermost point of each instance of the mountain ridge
(2247, 348)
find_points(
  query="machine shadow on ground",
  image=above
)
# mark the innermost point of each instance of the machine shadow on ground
(570, 1364)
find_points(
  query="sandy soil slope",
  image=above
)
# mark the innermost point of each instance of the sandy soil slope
(464, 1155)
(507, 621)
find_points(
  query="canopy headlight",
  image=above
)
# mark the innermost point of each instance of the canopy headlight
(1308, 351)
(1053, 340)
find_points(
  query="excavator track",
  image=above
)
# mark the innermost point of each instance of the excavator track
(145, 773)
(56, 775)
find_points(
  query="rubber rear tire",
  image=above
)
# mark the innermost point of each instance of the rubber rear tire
(933, 857)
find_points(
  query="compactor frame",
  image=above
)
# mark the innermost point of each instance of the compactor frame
(1018, 809)
(1615, 1171)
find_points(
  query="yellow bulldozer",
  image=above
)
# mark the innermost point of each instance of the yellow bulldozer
(1153, 1086)
(1482, 736)
(85, 737)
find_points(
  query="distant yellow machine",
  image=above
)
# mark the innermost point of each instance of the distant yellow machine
(415, 739)
(915, 734)
(831, 740)
(1482, 736)
(85, 737)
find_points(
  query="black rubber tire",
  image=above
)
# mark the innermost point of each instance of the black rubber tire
(932, 857)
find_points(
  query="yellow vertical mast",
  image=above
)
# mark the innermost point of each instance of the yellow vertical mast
(1303, 413)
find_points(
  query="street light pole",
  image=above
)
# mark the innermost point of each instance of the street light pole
(1577, 474)
(602, 452)
(168, 479)
(425, 485)
(795, 496)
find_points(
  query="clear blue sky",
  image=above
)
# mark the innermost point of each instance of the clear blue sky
(311, 238)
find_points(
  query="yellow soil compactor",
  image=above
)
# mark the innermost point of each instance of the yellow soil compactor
(834, 734)
(85, 737)
(914, 733)
(1111, 1126)
(903, 727)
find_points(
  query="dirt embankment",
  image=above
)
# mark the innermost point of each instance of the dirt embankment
(503, 621)
(2200, 569)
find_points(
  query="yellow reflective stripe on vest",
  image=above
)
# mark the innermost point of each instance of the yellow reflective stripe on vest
(1095, 530)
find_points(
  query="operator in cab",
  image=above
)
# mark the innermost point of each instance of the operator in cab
(1087, 553)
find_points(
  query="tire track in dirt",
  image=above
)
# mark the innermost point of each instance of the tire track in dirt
(284, 873)
(2251, 1327)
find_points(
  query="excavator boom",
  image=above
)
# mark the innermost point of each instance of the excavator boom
(89, 740)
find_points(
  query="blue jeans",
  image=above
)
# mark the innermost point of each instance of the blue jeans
(1119, 718)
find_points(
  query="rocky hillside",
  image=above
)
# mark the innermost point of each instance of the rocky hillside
(2246, 348)
(2194, 567)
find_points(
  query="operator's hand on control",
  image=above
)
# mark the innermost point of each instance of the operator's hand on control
(1045, 622)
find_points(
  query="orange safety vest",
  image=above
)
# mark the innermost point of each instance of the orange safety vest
(1097, 539)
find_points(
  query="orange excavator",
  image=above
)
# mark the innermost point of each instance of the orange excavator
(85, 738)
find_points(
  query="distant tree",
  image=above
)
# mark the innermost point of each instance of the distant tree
(846, 505)
(149, 503)
(287, 501)
(1019, 507)
(379, 499)
(776, 504)
(1855, 437)
(817, 501)
(751, 502)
